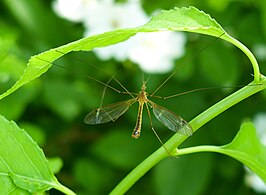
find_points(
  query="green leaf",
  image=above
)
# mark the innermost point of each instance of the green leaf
(7, 187)
(247, 148)
(183, 19)
(22, 163)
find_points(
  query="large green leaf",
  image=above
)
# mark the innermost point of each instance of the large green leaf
(179, 19)
(247, 148)
(23, 166)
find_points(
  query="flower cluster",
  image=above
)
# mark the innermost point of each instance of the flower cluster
(153, 52)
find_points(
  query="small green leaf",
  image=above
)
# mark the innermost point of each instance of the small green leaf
(40, 63)
(22, 161)
(247, 148)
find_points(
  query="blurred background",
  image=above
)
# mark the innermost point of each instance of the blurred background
(95, 158)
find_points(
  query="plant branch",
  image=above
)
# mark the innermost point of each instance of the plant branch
(177, 139)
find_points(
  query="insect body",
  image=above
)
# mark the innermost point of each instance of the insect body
(113, 111)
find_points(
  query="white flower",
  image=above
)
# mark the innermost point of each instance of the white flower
(109, 16)
(155, 52)
(251, 178)
(73, 10)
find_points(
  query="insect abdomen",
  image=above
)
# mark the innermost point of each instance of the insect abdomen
(137, 129)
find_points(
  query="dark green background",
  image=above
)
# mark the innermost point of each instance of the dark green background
(96, 158)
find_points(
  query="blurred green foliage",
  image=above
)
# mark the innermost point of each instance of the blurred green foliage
(96, 158)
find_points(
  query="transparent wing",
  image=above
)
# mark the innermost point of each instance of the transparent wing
(108, 113)
(171, 120)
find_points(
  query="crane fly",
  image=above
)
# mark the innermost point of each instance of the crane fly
(113, 111)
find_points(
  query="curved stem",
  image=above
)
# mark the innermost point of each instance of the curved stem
(177, 139)
(196, 149)
(256, 69)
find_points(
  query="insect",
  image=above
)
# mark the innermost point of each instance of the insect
(113, 111)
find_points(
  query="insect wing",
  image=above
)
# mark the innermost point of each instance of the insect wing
(108, 113)
(171, 120)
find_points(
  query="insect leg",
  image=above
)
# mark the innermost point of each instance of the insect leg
(149, 114)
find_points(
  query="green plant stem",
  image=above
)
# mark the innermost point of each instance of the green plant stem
(196, 149)
(206, 148)
(177, 139)
(64, 189)
(248, 53)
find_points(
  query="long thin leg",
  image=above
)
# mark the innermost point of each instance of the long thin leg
(100, 109)
(101, 103)
(90, 77)
(104, 90)
(127, 92)
(149, 114)
(199, 89)
(180, 65)
(191, 91)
